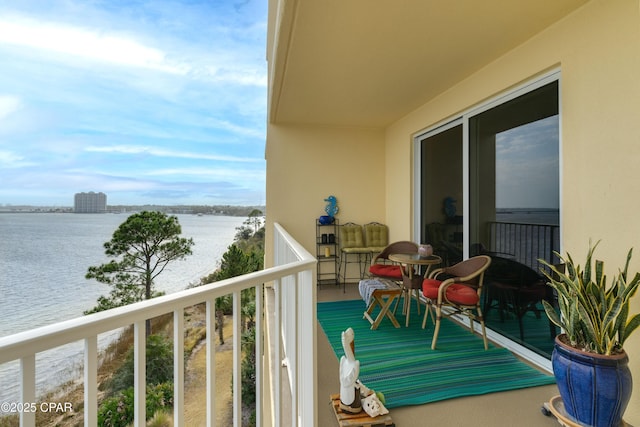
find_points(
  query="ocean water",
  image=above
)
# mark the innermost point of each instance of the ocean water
(43, 260)
(528, 215)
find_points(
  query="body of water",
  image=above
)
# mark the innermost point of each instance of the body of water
(43, 260)
(528, 215)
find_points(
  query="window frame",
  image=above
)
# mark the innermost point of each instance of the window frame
(463, 118)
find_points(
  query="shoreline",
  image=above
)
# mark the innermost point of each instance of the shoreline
(45, 259)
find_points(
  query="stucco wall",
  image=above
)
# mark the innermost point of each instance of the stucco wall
(315, 162)
(597, 50)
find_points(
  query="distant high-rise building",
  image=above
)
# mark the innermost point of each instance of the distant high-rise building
(90, 202)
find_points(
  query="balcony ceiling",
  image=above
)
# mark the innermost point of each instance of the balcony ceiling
(367, 63)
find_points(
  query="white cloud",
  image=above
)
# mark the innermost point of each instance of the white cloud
(9, 159)
(8, 104)
(210, 173)
(152, 151)
(123, 50)
(85, 43)
(226, 125)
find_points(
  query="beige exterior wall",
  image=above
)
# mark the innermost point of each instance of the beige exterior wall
(597, 50)
(307, 164)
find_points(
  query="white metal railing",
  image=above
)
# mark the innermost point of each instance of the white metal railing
(292, 275)
(295, 324)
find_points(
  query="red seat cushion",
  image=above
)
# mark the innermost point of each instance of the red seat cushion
(386, 270)
(456, 293)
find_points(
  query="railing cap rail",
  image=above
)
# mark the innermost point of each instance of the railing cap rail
(33, 341)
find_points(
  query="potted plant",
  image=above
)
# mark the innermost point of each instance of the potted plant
(589, 361)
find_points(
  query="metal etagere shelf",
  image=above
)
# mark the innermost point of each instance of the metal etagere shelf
(327, 252)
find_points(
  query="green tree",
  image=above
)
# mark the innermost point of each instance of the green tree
(235, 262)
(255, 219)
(248, 232)
(141, 248)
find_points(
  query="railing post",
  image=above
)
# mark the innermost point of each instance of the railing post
(178, 368)
(294, 349)
(277, 362)
(307, 360)
(259, 357)
(211, 362)
(28, 389)
(237, 359)
(91, 381)
(139, 373)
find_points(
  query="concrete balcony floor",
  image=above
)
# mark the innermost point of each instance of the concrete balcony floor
(513, 408)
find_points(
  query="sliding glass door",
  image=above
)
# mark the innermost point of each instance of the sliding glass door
(442, 198)
(489, 184)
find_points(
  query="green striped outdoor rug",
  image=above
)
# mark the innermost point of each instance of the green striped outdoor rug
(401, 364)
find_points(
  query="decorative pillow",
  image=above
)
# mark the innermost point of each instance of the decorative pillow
(430, 288)
(456, 293)
(386, 270)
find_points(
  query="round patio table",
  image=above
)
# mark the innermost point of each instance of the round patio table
(411, 277)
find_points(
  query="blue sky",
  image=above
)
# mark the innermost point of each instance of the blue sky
(527, 168)
(150, 102)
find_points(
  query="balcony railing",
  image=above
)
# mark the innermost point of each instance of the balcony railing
(526, 243)
(295, 315)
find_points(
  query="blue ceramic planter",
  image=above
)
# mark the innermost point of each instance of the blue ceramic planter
(595, 389)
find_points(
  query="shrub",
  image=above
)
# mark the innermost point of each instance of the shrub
(159, 367)
(248, 369)
(117, 411)
(161, 419)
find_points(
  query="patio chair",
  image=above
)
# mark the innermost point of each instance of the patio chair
(376, 236)
(352, 250)
(382, 267)
(459, 288)
(513, 287)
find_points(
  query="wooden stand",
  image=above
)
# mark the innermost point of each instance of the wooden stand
(556, 408)
(383, 298)
(358, 420)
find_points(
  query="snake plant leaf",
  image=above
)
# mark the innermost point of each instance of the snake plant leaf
(587, 265)
(631, 326)
(552, 314)
(592, 314)
(621, 321)
(600, 276)
(589, 326)
(630, 290)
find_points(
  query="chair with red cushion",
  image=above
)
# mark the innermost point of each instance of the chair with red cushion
(459, 288)
(382, 267)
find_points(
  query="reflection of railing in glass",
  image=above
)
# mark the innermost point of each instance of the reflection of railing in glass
(526, 243)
